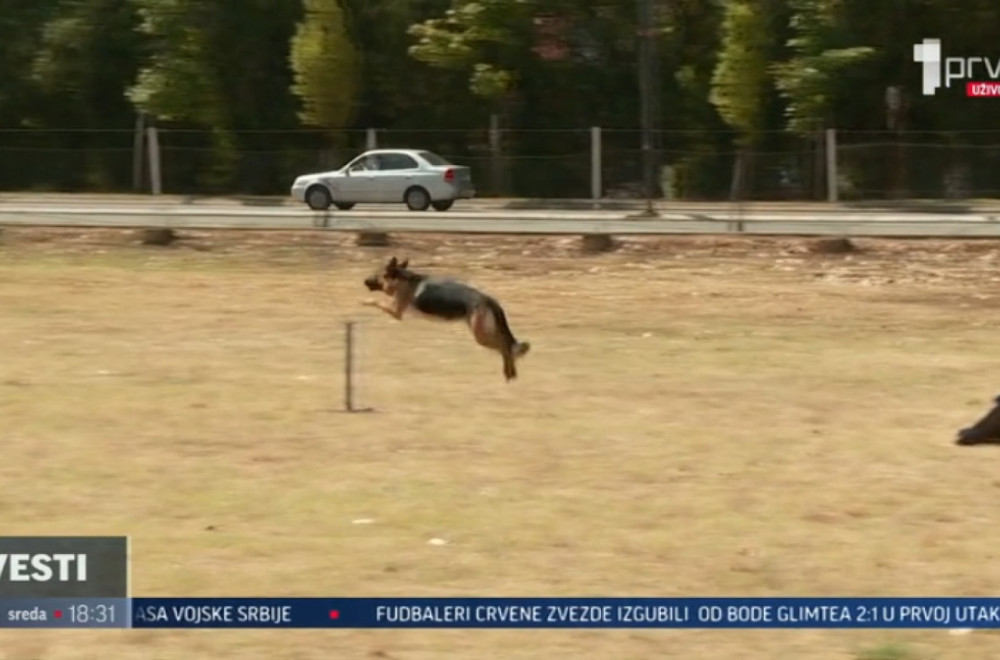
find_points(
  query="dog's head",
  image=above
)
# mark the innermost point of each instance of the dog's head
(387, 277)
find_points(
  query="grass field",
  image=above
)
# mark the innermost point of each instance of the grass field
(696, 417)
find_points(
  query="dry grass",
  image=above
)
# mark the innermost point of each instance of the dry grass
(696, 418)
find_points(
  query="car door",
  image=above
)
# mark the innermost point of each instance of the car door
(359, 182)
(396, 173)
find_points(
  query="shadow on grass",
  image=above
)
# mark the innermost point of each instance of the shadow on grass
(887, 652)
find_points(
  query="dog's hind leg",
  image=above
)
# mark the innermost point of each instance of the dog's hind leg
(509, 365)
(502, 329)
(489, 334)
(510, 356)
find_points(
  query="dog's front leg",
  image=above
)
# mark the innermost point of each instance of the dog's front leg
(391, 311)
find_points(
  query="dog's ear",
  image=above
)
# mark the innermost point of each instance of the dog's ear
(405, 264)
(393, 263)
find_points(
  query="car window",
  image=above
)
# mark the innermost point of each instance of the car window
(397, 162)
(434, 159)
(366, 164)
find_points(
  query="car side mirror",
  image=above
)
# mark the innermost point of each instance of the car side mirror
(347, 172)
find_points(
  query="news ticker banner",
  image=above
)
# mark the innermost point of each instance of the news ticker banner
(511, 613)
(83, 582)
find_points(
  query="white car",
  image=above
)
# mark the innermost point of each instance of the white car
(418, 178)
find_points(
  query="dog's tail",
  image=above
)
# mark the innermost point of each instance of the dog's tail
(516, 348)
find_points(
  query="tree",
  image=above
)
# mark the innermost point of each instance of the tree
(20, 33)
(553, 66)
(326, 66)
(89, 55)
(696, 131)
(487, 39)
(180, 81)
(221, 65)
(824, 51)
(742, 84)
(399, 91)
(741, 80)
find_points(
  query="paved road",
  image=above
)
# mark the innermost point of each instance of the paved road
(717, 219)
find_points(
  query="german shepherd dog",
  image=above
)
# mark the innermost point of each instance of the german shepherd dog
(448, 300)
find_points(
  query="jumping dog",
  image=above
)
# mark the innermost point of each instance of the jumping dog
(448, 300)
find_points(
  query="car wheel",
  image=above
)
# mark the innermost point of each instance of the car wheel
(417, 199)
(318, 198)
(344, 206)
(443, 205)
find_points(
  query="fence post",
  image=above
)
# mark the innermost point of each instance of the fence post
(496, 163)
(349, 366)
(831, 165)
(371, 139)
(596, 165)
(154, 160)
(138, 144)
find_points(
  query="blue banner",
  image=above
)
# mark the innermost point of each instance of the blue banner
(734, 613)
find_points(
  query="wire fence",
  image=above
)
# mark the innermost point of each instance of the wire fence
(570, 163)
(925, 165)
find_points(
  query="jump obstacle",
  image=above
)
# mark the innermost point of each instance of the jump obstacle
(349, 362)
(325, 221)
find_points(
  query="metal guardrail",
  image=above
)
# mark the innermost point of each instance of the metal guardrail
(724, 220)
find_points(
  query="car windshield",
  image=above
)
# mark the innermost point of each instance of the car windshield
(434, 159)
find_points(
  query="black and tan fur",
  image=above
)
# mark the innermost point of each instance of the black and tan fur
(448, 300)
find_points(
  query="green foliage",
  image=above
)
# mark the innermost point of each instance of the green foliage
(822, 61)
(21, 26)
(447, 42)
(89, 49)
(218, 63)
(178, 82)
(490, 82)
(326, 66)
(741, 77)
(489, 39)
(734, 76)
(221, 66)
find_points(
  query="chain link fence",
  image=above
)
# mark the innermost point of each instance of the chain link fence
(568, 163)
(918, 165)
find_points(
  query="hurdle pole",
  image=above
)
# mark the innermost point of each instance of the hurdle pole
(349, 366)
